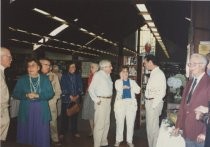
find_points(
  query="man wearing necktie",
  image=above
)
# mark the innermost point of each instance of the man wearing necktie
(196, 93)
(6, 60)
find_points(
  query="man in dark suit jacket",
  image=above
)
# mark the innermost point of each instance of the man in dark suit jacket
(196, 93)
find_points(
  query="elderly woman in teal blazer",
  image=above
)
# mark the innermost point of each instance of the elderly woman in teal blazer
(33, 90)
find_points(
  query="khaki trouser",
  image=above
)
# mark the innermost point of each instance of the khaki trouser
(101, 122)
(4, 123)
(53, 122)
(152, 122)
(125, 109)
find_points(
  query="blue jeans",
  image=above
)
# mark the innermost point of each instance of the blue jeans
(191, 143)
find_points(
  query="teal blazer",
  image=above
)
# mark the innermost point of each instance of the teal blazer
(45, 93)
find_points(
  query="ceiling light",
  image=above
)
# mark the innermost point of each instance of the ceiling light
(142, 7)
(53, 33)
(106, 40)
(58, 19)
(84, 30)
(147, 17)
(189, 19)
(92, 34)
(76, 19)
(156, 34)
(58, 30)
(43, 40)
(154, 29)
(41, 11)
(99, 37)
(151, 24)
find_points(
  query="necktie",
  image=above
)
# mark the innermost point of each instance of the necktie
(191, 91)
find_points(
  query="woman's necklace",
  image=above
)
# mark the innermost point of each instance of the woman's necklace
(34, 85)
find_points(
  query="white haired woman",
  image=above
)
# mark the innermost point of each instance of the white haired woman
(88, 104)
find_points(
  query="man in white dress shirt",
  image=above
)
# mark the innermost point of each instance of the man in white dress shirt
(154, 94)
(100, 91)
(6, 60)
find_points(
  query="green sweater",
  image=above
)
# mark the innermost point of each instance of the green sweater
(45, 93)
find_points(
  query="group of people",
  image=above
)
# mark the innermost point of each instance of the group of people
(38, 92)
(100, 91)
(125, 106)
(40, 89)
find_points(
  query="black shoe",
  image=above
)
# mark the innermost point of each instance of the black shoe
(106, 146)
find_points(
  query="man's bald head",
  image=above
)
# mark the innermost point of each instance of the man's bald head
(6, 57)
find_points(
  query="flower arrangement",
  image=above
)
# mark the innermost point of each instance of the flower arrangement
(175, 83)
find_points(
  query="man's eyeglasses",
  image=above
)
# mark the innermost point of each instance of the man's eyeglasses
(9, 56)
(193, 64)
(46, 65)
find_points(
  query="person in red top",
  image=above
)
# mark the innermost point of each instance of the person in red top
(193, 96)
(88, 105)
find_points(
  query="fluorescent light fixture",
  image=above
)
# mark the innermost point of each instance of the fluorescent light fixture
(92, 34)
(106, 40)
(41, 11)
(145, 28)
(72, 44)
(99, 37)
(53, 33)
(84, 30)
(58, 30)
(147, 17)
(151, 24)
(76, 19)
(36, 46)
(189, 19)
(58, 19)
(154, 29)
(142, 7)
(156, 34)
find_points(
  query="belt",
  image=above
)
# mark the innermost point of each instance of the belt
(149, 98)
(105, 97)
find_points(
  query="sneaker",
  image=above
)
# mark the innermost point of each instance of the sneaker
(117, 144)
(130, 144)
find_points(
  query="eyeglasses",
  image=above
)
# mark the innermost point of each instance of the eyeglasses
(9, 56)
(193, 64)
(46, 65)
